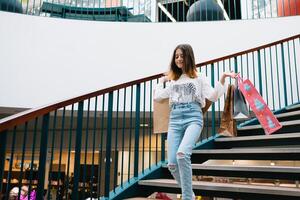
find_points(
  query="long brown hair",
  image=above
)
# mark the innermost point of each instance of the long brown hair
(189, 63)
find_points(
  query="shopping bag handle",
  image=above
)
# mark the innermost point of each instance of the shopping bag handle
(239, 78)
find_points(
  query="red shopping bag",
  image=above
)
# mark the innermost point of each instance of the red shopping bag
(263, 113)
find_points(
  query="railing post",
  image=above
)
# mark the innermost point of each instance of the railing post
(259, 72)
(77, 150)
(137, 130)
(235, 65)
(43, 156)
(163, 142)
(3, 136)
(163, 147)
(213, 129)
(11, 161)
(283, 75)
(108, 144)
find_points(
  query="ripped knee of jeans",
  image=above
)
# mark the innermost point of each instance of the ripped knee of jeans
(172, 167)
(180, 155)
(183, 157)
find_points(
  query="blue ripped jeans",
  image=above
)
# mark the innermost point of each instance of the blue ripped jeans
(185, 126)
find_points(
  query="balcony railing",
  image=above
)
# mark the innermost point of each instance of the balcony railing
(155, 11)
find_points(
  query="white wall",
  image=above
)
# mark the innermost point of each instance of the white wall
(43, 60)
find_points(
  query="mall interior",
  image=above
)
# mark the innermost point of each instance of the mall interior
(77, 115)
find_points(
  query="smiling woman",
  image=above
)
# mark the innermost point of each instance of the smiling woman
(187, 93)
(179, 58)
(183, 61)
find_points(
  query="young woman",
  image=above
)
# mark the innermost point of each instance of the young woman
(187, 93)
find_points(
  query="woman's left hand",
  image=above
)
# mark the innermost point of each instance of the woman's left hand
(228, 74)
(231, 74)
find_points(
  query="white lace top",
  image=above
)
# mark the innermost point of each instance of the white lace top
(186, 90)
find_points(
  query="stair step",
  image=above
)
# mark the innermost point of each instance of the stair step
(257, 168)
(248, 151)
(247, 154)
(258, 126)
(288, 114)
(267, 172)
(237, 189)
(295, 106)
(281, 169)
(259, 140)
(287, 127)
(291, 112)
(259, 137)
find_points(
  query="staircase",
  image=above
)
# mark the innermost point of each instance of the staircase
(237, 181)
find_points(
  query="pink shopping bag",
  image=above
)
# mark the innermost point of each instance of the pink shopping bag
(263, 113)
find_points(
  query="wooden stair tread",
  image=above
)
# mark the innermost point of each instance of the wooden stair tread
(282, 169)
(257, 168)
(248, 150)
(258, 126)
(288, 114)
(228, 187)
(293, 106)
(259, 137)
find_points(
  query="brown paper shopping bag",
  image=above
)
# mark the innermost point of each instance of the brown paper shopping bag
(228, 124)
(161, 114)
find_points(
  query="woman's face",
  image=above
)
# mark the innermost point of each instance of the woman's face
(179, 60)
